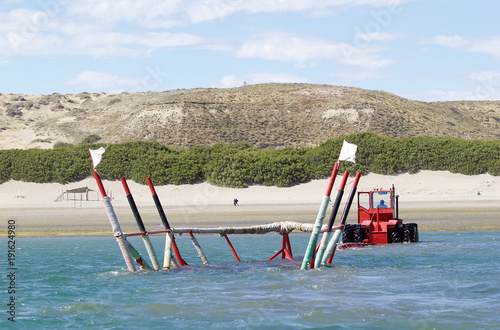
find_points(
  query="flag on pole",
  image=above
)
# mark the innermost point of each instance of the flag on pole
(348, 152)
(96, 155)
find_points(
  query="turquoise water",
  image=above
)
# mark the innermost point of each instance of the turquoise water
(450, 280)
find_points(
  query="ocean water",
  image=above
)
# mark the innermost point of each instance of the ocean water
(449, 280)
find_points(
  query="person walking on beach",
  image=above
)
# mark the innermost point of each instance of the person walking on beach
(236, 202)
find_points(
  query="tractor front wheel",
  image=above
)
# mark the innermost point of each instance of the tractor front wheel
(348, 234)
(398, 233)
(359, 234)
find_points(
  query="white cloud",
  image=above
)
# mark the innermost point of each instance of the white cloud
(229, 81)
(488, 77)
(96, 27)
(160, 13)
(102, 81)
(487, 45)
(449, 41)
(281, 46)
(56, 29)
(483, 86)
(94, 43)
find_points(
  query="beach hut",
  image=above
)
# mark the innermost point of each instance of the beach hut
(83, 192)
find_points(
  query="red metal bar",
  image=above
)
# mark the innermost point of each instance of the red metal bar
(231, 246)
(288, 254)
(125, 186)
(313, 259)
(178, 254)
(276, 254)
(289, 246)
(317, 246)
(151, 186)
(356, 180)
(344, 180)
(99, 184)
(332, 179)
(149, 232)
(158, 231)
(329, 261)
(284, 251)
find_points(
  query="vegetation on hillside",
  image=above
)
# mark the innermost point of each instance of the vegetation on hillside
(240, 165)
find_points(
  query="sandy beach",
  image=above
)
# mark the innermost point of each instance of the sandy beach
(433, 200)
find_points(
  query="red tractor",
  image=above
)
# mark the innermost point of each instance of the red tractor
(378, 221)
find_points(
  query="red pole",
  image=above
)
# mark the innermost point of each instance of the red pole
(276, 254)
(99, 184)
(289, 246)
(332, 179)
(288, 254)
(177, 253)
(329, 261)
(286, 249)
(231, 246)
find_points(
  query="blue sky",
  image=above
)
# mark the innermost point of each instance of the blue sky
(429, 50)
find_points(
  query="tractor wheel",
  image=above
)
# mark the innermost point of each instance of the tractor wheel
(348, 234)
(359, 234)
(411, 232)
(398, 233)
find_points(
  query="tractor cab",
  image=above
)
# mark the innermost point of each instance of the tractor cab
(378, 215)
(378, 205)
(378, 220)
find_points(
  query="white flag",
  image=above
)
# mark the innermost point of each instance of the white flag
(348, 152)
(96, 155)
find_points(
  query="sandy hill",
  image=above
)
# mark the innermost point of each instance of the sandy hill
(266, 116)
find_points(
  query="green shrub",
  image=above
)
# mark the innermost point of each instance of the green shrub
(241, 165)
(94, 138)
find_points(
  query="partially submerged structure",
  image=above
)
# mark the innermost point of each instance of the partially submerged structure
(376, 225)
(172, 256)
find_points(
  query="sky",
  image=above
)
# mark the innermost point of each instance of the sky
(427, 50)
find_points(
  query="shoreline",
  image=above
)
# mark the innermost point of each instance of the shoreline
(433, 200)
(47, 221)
